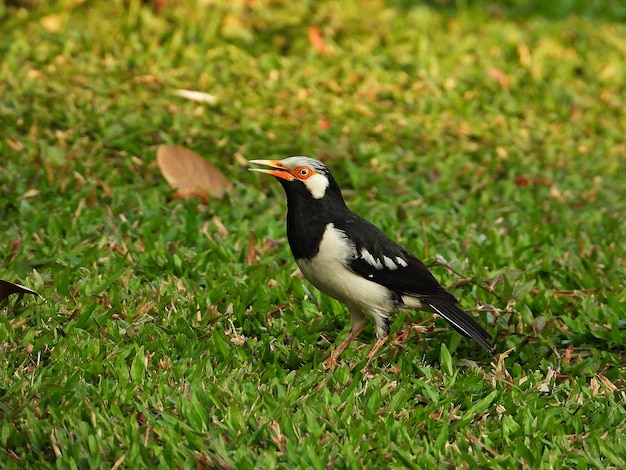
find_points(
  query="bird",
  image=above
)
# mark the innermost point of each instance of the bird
(349, 259)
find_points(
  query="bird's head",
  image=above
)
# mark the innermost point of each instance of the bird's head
(300, 173)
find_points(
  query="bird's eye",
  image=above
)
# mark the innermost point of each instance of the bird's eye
(303, 172)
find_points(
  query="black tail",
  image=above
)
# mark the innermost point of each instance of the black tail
(462, 322)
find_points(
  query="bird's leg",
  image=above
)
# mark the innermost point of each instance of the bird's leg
(331, 362)
(377, 345)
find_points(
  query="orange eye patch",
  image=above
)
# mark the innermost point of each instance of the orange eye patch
(303, 172)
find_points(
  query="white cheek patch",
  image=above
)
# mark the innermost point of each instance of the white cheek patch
(317, 185)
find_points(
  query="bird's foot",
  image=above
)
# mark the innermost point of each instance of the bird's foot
(331, 362)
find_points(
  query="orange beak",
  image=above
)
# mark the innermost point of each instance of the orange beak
(276, 169)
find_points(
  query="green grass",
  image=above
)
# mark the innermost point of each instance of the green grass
(491, 134)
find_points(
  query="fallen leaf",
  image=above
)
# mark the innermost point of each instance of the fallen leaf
(30, 194)
(15, 145)
(556, 193)
(522, 181)
(500, 369)
(532, 180)
(190, 174)
(317, 41)
(15, 245)
(18, 323)
(197, 96)
(7, 288)
(235, 338)
(277, 436)
(610, 386)
(567, 356)
(499, 76)
(324, 124)
(222, 231)
(545, 385)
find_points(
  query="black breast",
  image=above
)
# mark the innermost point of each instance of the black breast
(305, 229)
(307, 217)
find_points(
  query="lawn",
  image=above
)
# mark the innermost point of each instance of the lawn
(177, 333)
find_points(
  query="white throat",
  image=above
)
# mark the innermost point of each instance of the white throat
(317, 185)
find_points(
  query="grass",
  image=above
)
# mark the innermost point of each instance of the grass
(489, 134)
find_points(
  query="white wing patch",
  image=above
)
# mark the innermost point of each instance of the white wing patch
(386, 262)
(389, 263)
(367, 256)
(401, 262)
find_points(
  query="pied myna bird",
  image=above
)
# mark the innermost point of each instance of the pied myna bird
(351, 260)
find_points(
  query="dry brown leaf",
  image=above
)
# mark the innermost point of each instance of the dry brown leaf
(31, 193)
(277, 436)
(222, 231)
(567, 356)
(500, 77)
(190, 174)
(610, 386)
(501, 372)
(317, 40)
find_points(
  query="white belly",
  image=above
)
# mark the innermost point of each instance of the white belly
(328, 272)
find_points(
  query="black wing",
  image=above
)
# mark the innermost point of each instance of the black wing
(383, 261)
